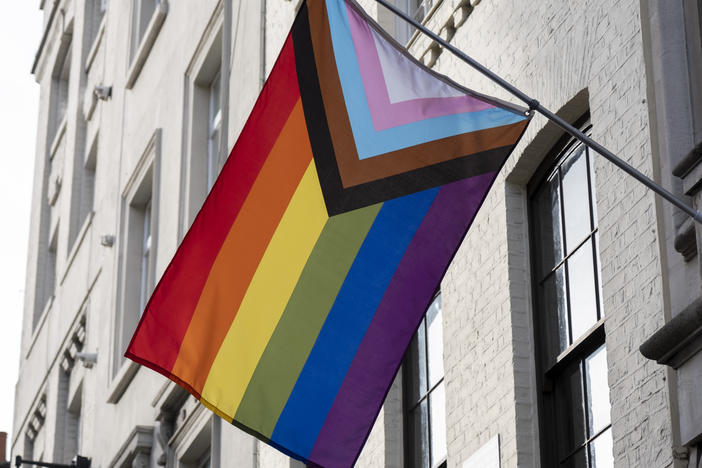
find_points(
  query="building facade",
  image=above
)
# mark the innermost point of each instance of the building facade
(530, 354)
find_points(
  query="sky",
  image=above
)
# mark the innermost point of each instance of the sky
(20, 34)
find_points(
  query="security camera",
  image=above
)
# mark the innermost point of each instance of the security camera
(103, 92)
(88, 359)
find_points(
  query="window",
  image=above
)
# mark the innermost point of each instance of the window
(46, 278)
(73, 428)
(146, 280)
(147, 18)
(142, 12)
(138, 249)
(214, 130)
(61, 77)
(94, 14)
(418, 10)
(204, 461)
(425, 398)
(204, 155)
(572, 358)
(67, 437)
(28, 452)
(83, 192)
(198, 436)
(59, 87)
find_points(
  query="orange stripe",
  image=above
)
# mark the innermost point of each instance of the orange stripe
(242, 251)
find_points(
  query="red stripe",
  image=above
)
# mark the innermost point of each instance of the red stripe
(160, 332)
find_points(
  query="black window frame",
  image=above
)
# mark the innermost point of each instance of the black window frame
(578, 349)
(408, 405)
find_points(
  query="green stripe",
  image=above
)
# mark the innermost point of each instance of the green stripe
(297, 330)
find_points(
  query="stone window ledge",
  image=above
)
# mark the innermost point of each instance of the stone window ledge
(122, 380)
(678, 340)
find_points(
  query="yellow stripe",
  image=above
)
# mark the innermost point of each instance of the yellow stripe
(268, 293)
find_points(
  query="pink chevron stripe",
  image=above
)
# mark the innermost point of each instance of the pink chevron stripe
(384, 113)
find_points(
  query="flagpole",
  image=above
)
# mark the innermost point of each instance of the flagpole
(534, 105)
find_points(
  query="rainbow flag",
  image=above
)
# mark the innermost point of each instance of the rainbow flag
(290, 303)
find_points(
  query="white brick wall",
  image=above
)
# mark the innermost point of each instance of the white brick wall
(553, 51)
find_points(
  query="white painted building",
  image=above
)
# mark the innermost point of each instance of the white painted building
(530, 357)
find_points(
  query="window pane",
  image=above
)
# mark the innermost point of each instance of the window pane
(548, 228)
(215, 101)
(576, 200)
(570, 415)
(419, 437)
(592, 186)
(597, 390)
(577, 460)
(435, 341)
(416, 366)
(148, 7)
(420, 8)
(204, 461)
(213, 158)
(598, 262)
(145, 259)
(601, 453)
(437, 407)
(553, 311)
(581, 285)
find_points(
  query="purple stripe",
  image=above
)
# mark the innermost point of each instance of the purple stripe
(384, 113)
(409, 293)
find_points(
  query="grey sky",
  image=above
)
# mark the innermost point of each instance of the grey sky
(20, 33)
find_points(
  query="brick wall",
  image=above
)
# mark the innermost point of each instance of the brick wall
(554, 51)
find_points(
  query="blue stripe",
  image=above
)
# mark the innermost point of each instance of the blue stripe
(341, 335)
(370, 143)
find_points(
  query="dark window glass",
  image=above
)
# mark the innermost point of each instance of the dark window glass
(574, 399)
(425, 397)
(548, 202)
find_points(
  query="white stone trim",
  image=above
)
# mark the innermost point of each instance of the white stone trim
(135, 450)
(121, 380)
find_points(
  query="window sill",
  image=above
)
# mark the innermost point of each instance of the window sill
(587, 343)
(96, 44)
(677, 341)
(87, 222)
(40, 325)
(147, 42)
(121, 381)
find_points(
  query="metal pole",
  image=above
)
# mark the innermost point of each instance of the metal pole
(19, 461)
(536, 106)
